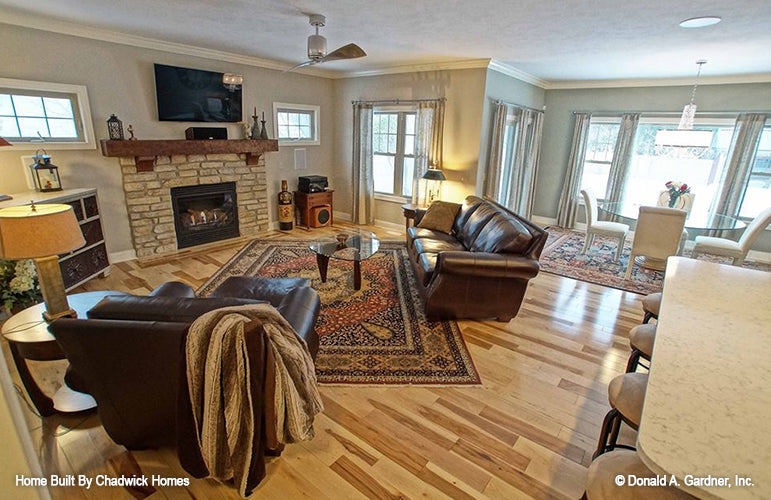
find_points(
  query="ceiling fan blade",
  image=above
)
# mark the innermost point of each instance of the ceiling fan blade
(309, 62)
(350, 51)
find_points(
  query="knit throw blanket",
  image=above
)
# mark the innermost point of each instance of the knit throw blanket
(218, 375)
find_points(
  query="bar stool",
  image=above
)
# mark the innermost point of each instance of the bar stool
(601, 479)
(651, 304)
(641, 339)
(626, 394)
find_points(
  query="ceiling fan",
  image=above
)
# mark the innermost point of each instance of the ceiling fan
(317, 47)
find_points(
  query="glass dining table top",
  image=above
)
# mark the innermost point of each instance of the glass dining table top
(696, 220)
(352, 245)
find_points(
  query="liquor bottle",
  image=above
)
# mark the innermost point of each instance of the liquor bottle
(285, 208)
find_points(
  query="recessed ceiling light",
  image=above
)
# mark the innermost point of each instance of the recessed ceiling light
(700, 22)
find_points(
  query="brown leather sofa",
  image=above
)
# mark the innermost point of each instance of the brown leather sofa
(129, 355)
(481, 269)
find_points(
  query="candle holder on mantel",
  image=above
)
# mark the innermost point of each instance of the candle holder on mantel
(256, 126)
(263, 132)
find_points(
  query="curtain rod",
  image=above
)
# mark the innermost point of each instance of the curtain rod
(501, 101)
(669, 113)
(398, 101)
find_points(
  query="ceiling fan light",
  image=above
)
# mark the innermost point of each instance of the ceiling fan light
(700, 22)
(317, 46)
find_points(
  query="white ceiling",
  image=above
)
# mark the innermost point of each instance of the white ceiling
(551, 39)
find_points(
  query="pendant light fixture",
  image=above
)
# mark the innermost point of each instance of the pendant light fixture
(684, 136)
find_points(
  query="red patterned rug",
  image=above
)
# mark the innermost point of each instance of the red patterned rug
(376, 335)
(562, 255)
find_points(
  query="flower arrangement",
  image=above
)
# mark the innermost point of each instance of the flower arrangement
(18, 284)
(676, 190)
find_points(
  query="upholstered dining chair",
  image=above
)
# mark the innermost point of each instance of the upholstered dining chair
(658, 234)
(603, 228)
(735, 249)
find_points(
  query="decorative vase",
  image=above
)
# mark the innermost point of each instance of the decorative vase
(673, 200)
(285, 208)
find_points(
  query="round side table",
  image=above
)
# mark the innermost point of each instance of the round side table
(29, 339)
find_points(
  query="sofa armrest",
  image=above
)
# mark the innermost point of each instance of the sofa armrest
(419, 213)
(173, 289)
(486, 265)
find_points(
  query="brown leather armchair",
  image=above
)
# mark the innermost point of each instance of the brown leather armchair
(129, 355)
(481, 269)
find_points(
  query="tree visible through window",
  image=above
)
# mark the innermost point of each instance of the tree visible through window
(393, 159)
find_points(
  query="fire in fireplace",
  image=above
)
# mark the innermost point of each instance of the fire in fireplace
(206, 213)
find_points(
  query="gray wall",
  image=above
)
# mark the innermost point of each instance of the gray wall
(558, 124)
(464, 90)
(505, 88)
(120, 80)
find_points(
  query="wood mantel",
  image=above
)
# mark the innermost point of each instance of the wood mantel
(145, 151)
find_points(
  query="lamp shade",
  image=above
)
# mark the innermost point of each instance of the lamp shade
(434, 174)
(35, 231)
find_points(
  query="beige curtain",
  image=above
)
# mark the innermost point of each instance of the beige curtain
(622, 158)
(363, 210)
(494, 170)
(568, 206)
(429, 140)
(523, 162)
(740, 158)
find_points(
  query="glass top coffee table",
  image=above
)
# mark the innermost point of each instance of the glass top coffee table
(354, 246)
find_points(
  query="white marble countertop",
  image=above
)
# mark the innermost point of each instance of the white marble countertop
(709, 393)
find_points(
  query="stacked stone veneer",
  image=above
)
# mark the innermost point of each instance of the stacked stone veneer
(148, 195)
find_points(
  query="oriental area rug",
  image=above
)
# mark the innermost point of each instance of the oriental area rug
(562, 255)
(375, 335)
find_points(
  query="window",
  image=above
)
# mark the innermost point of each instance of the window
(758, 193)
(393, 160)
(296, 124)
(599, 154)
(33, 113)
(651, 167)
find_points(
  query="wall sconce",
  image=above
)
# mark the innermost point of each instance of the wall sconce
(433, 178)
(232, 81)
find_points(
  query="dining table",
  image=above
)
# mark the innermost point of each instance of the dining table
(709, 385)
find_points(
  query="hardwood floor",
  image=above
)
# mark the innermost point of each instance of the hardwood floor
(527, 432)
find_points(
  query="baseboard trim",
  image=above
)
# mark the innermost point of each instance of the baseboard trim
(122, 256)
(389, 225)
(342, 216)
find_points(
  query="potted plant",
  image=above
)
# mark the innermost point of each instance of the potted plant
(676, 190)
(18, 285)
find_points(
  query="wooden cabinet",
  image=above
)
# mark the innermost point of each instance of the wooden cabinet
(91, 260)
(304, 202)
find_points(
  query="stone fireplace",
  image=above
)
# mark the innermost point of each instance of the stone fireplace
(204, 213)
(154, 227)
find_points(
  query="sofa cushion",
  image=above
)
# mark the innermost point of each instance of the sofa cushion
(426, 266)
(428, 245)
(272, 290)
(476, 221)
(418, 232)
(165, 309)
(503, 234)
(470, 204)
(440, 216)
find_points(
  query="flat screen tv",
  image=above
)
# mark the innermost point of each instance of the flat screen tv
(193, 95)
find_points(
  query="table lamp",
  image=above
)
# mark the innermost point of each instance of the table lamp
(3, 142)
(42, 232)
(433, 178)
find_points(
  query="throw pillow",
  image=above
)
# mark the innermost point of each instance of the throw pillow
(440, 216)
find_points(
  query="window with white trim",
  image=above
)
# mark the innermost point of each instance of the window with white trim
(35, 113)
(757, 195)
(296, 124)
(393, 159)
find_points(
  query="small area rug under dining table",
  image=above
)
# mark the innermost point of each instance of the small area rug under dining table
(376, 335)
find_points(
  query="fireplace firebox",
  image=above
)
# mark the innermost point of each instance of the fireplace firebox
(204, 213)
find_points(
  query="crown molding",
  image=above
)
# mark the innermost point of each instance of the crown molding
(656, 82)
(417, 68)
(513, 72)
(66, 28)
